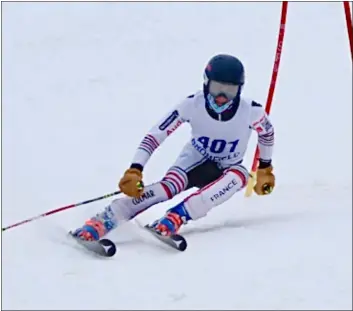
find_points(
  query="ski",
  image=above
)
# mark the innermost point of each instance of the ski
(175, 241)
(103, 247)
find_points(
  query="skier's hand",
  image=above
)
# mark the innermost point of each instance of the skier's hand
(265, 181)
(131, 183)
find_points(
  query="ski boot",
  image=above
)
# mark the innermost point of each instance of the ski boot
(171, 222)
(96, 227)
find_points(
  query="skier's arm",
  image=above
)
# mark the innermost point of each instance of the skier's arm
(157, 134)
(261, 123)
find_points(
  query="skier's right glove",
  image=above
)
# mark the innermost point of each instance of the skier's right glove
(131, 183)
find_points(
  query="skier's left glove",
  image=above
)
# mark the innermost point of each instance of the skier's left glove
(265, 181)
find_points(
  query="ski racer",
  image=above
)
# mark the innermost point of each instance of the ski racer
(221, 121)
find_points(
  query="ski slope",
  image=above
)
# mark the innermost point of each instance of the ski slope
(83, 82)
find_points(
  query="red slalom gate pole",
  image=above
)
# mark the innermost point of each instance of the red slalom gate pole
(60, 209)
(347, 11)
(271, 91)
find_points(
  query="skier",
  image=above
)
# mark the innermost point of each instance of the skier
(221, 121)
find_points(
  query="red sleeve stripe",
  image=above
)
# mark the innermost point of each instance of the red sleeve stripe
(152, 139)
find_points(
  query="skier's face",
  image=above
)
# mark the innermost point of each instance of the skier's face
(223, 92)
(221, 100)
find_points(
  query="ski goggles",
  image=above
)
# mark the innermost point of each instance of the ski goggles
(218, 89)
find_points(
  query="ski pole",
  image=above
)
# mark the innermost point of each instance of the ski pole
(61, 209)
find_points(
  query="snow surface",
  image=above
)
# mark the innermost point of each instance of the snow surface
(83, 82)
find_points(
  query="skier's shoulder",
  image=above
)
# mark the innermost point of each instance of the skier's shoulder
(250, 103)
(195, 99)
(253, 106)
(253, 109)
(191, 103)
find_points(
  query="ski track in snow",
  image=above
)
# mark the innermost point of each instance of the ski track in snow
(255, 256)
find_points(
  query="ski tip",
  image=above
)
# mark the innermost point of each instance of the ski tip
(183, 246)
(181, 242)
(109, 247)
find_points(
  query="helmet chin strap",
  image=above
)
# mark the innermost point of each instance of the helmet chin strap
(215, 107)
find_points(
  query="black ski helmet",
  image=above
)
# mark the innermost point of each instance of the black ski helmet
(224, 68)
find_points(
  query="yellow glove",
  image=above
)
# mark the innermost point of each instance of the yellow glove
(265, 181)
(131, 183)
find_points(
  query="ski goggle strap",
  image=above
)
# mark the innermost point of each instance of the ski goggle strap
(218, 88)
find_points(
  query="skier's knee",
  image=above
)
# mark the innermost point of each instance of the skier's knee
(174, 182)
(241, 173)
(202, 201)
